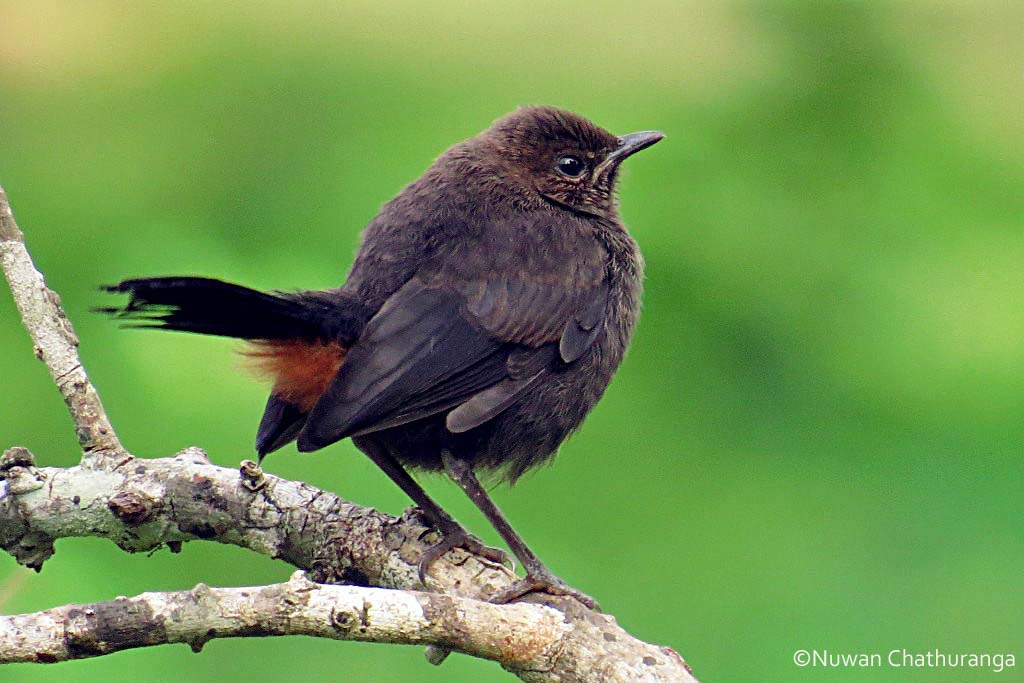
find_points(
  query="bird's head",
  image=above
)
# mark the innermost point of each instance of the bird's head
(563, 157)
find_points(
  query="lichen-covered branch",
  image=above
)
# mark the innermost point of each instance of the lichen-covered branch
(520, 636)
(149, 503)
(167, 501)
(55, 340)
(143, 504)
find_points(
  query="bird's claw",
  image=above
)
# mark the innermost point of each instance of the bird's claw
(544, 582)
(460, 538)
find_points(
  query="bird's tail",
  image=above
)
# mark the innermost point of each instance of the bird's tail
(297, 340)
(208, 306)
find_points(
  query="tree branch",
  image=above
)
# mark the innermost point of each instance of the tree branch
(55, 341)
(520, 636)
(143, 504)
(154, 502)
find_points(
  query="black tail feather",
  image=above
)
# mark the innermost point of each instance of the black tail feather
(208, 306)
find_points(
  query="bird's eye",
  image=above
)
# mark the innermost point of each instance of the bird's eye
(570, 166)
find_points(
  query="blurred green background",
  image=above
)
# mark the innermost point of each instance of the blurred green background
(815, 441)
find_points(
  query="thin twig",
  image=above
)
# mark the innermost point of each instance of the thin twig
(55, 340)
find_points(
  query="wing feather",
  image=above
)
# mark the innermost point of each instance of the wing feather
(448, 341)
(418, 356)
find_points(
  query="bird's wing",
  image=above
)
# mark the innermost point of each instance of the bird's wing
(282, 421)
(547, 320)
(469, 346)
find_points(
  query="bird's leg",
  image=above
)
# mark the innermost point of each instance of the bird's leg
(453, 534)
(538, 576)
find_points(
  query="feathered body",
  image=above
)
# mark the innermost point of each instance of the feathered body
(517, 270)
(487, 309)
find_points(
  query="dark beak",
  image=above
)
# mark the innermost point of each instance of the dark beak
(629, 145)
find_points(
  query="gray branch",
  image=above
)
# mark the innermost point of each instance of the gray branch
(522, 636)
(55, 341)
(145, 504)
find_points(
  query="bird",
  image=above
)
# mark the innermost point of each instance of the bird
(487, 308)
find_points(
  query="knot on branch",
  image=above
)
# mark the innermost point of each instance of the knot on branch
(30, 549)
(16, 456)
(18, 476)
(133, 507)
(18, 469)
(194, 455)
(348, 620)
(252, 475)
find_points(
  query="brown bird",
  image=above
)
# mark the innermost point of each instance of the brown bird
(487, 309)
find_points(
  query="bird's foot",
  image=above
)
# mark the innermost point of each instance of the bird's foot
(543, 581)
(455, 536)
